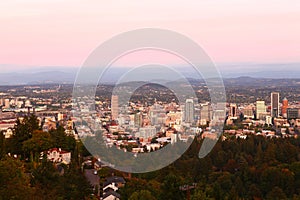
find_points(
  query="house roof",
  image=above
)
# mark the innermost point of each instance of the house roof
(106, 183)
(116, 179)
(107, 194)
(57, 150)
(113, 179)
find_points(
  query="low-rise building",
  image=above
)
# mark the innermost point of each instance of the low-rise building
(57, 155)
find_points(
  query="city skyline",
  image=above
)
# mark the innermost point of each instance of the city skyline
(155, 100)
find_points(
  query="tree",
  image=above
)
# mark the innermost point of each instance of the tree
(231, 166)
(62, 140)
(276, 194)
(170, 188)
(142, 195)
(132, 186)
(22, 131)
(40, 141)
(254, 192)
(52, 185)
(2, 145)
(15, 184)
(200, 194)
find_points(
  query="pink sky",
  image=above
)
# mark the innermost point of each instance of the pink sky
(63, 33)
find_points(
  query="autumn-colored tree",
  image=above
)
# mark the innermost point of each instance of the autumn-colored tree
(142, 195)
(22, 131)
(2, 145)
(39, 142)
(276, 194)
(14, 182)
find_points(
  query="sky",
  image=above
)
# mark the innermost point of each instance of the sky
(38, 33)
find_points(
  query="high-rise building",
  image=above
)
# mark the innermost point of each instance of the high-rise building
(274, 104)
(260, 109)
(146, 132)
(6, 103)
(268, 120)
(219, 112)
(27, 104)
(285, 105)
(233, 110)
(114, 107)
(292, 113)
(189, 111)
(205, 112)
(138, 119)
(248, 111)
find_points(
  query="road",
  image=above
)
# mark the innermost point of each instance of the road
(92, 178)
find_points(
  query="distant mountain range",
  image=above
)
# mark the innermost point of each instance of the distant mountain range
(36, 78)
(230, 73)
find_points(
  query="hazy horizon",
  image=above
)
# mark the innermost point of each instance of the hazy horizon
(64, 33)
(227, 66)
(62, 74)
(243, 38)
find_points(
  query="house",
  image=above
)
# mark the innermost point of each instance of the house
(111, 185)
(57, 155)
(111, 195)
(98, 165)
(49, 124)
(8, 133)
(209, 135)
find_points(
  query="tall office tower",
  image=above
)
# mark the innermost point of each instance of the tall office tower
(260, 109)
(6, 103)
(114, 107)
(285, 105)
(27, 104)
(138, 120)
(292, 113)
(205, 111)
(248, 111)
(274, 104)
(233, 110)
(189, 111)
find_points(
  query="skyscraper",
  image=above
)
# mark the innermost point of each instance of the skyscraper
(248, 111)
(189, 111)
(6, 103)
(205, 112)
(114, 107)
(274, 104)
(285, 105)
(260, 109)
(233, 110)
(292, 113)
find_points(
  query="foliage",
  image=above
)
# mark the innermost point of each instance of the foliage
(254, 168)
(14, 181)
(142, 195)
(29, 177)
(22, 131)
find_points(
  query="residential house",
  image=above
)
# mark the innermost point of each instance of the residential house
(57, 155)
(111, 185)
(111, 195)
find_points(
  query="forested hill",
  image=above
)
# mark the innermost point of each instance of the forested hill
(255, 168)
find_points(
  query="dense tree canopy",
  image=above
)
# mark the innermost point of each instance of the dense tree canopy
(254, 168)
(27, 175)
(14, 182)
